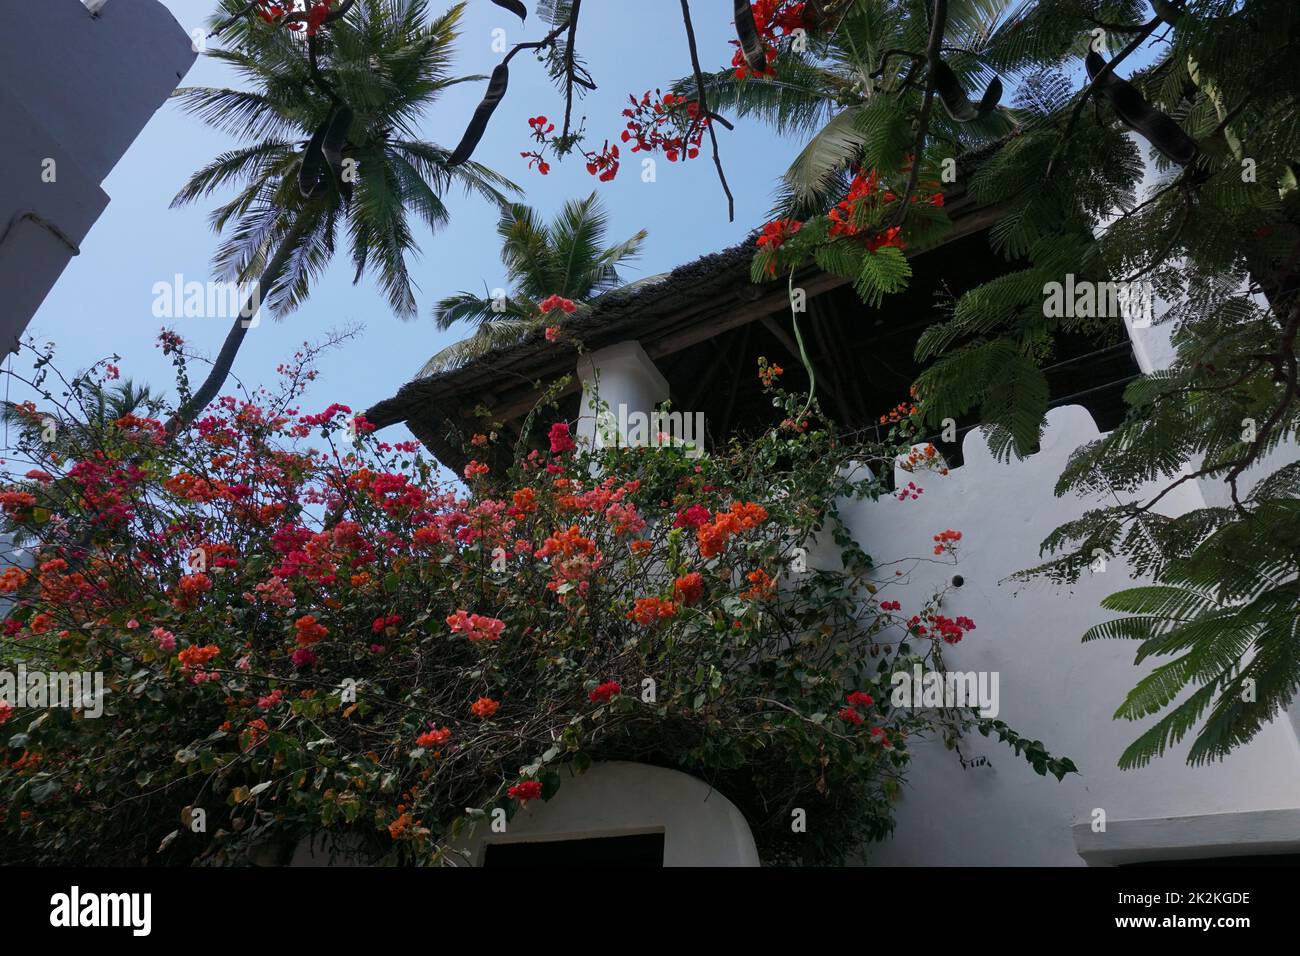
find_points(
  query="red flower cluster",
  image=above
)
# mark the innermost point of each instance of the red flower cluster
(553, 302)
(946, 541)
(484, 707)
(605, 692)
(603, 165)
(775, 20)
(776, 232)
(561, 440)
(541, 129)
(317, 11)
(689, 588)
(525, 790)
(668, 122)
(952, 630)
(849, 713)
(693, 517)
(434, 737)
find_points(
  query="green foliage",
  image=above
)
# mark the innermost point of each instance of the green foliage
(1217, 242)
(388, 61)
(364, 651)
(566, 257)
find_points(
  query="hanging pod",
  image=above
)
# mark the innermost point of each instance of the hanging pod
(474, 132)
(325, 150)
(750, 45)
(514, 6)
(954, 97)
(1138, 115)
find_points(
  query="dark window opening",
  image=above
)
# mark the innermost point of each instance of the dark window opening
(1273, 859)
(637, 850)
(864, 358)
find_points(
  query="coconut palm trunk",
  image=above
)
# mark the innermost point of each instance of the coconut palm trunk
(225, 359)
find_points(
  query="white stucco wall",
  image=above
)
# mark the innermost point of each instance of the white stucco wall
(701, 827)
(1052, 687)
(76, 87)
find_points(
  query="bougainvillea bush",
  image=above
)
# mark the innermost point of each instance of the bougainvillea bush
(302, 628)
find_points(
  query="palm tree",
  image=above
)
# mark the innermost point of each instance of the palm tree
(74, 436)
(351, 95)
(842, 91)
(565, 258)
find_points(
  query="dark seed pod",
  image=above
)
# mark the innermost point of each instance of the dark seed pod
(991, 97)
(954, 97)
(313, 162)
(750, 44)
(336, 137)
(514, 6)
(325, 149)
(474, 132)
(1138, 115)
(1165, 10)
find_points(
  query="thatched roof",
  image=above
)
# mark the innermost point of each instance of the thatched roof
(691, 304)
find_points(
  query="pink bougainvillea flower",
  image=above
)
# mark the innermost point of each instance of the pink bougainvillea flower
(476, 627)
(561, 440)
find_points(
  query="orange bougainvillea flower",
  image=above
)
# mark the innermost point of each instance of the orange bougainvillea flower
(484, 707)
(309, 630)
(434, 737)
(651, 610)
(12, 579)
(689, 588)
(525, 500)
(195, 657)
(399, 826)
(762, 586)
(712, 538)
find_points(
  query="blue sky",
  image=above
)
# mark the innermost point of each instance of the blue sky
(103, 302)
